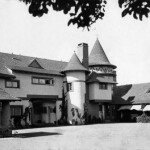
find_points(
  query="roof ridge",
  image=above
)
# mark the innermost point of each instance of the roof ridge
(133, 84)
(34, 57)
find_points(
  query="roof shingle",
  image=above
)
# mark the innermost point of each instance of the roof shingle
(94, 77)
(74, 65)
(5, 71)
(4, 96)
(98, 56)
(21, 62)
(131, 94)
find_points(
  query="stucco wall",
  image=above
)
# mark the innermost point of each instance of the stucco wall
(75, 76)
(98, 94)
(76, 97)
(26, 86)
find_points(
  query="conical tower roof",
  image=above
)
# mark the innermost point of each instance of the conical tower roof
(74, 65)
(98, 56)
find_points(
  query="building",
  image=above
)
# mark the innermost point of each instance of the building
(131, 101)
(36, 89)
(86, 80)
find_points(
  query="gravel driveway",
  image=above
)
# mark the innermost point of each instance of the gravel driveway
(119, 136)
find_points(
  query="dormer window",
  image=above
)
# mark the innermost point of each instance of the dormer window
(103, 86)
(35, 64)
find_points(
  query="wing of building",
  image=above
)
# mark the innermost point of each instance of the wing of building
(131, 101)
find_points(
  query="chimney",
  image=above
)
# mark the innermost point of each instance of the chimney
(82, 54)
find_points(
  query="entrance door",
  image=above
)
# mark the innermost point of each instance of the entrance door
(51, 114)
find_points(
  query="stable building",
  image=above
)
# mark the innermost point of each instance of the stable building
(131, 101)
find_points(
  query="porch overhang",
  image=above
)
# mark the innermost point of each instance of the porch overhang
(131, 107)
(100, 101)
(42, 97)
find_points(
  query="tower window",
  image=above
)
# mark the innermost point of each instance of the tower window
(103, 86)
(69, 87)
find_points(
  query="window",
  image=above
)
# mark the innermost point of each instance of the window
(103, 86)
(42, 81)
(12, 84)
(16, 110)
(69, 87)
(114, 78)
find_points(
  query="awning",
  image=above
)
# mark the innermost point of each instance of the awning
(131, 107)
(146, 108)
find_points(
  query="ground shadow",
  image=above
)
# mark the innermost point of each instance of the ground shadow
(35, 134)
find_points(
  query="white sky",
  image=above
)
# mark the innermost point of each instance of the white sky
(126, 41)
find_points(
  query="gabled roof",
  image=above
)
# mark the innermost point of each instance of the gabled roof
(22, 63)
(4, 96)
(5, 71)
(132, 94)
(35, 64)
(74, 65)
(98, 56)
(94, 77)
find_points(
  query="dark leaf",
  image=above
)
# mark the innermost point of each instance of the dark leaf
(135, 15)
(124, 12)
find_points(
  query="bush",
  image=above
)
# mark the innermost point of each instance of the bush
(62, 122)
(143, 118)
(5, 132)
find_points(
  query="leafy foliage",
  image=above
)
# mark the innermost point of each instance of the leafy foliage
(63, 107)
(82, 12)
(143, 118)
(86, 12)
(137, 8)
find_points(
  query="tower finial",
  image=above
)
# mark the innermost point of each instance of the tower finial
(96, 33)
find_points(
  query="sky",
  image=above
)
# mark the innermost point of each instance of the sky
(126, 41)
